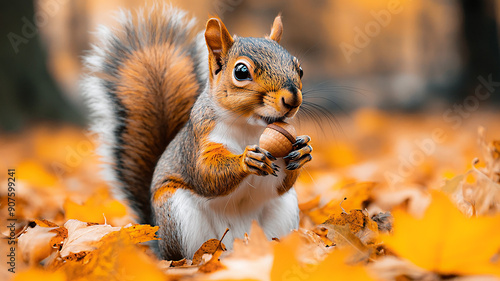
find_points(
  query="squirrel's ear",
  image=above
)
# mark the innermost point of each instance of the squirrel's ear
(276, 30)
(218, 40)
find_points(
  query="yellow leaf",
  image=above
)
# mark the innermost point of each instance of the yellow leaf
(39, 275)
(356, 193)
(287, 267)
(35, 174)
(98, 208)
(138, 233)
(445, 241)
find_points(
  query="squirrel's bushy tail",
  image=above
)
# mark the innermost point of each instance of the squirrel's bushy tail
(142, 80)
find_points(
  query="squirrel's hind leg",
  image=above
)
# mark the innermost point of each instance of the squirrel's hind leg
(170, 245)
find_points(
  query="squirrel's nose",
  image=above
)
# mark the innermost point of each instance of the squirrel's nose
(290, 100)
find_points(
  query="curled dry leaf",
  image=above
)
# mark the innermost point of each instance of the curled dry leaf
(35, 243)
(82, 237)
(209, 247)
(178, 263)
(214, 263)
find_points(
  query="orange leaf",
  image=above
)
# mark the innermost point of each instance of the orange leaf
(97, 208)
(39, 275)
(445, 241)
(287, 267)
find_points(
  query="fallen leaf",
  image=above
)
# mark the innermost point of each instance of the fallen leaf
(138, 233)
(287, 266)
(253, 252)
(82, 237)
(209, 247)
(446, 241)
(98, 208)
(39, 275)
(118, 258)
(35, 243)
(356, 196)
(214, 263)
(343, 237)
(359, 224)
(313, 203)
(178, 263)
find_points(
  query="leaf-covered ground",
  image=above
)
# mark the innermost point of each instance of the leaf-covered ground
(386, 197)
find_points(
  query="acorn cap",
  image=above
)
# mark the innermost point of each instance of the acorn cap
(278, 138)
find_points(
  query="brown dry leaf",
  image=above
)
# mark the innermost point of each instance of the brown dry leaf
(179, 263)
(209, 247)
(138, 233)
(359, 224)
(213, 248)
(214, 263)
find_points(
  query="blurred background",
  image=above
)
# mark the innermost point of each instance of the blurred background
(396, 55)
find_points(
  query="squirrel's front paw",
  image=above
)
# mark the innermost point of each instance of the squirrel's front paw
(258, 161)
(301, 155)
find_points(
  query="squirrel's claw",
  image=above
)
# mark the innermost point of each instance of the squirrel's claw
(301, 155)
(296, 154)
(259, 161)
(301, 140)
(294, 165)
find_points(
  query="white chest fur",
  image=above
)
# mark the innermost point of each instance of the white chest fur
(256, 198)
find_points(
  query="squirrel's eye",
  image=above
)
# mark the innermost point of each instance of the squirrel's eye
(301, 72)
(241, 72)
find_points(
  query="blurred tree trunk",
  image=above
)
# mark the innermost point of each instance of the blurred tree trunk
(28, 91)
(481, 50)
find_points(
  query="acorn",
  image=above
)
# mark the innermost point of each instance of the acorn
(278, 138)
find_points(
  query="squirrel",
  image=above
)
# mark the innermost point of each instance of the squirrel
(179, 113)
